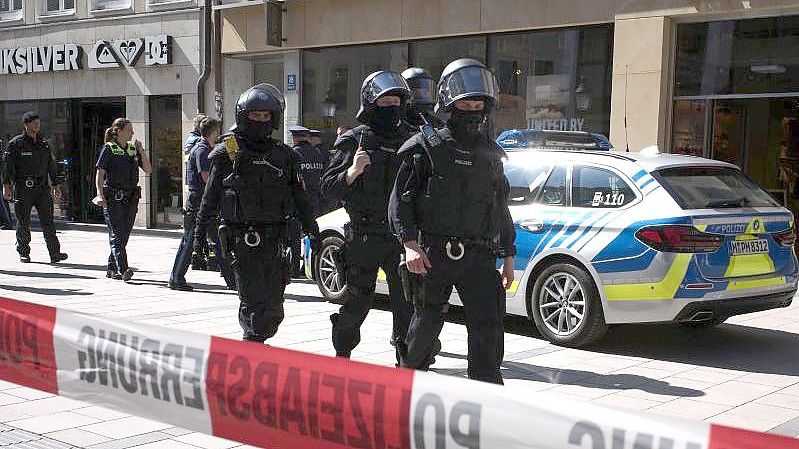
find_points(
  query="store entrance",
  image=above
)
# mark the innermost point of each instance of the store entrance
(93, 119)
(761, 135)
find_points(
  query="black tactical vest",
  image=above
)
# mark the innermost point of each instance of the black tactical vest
(33, 157)
(461, 195)
(367, 201)
(258, 191)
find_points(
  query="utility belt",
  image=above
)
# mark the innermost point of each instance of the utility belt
(32, 181)
(256, 233)
(120, 195)
(455, 247)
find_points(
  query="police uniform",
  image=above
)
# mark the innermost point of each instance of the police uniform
(255, 183)
(30, 168)
(121, 192)
(369, 244)
(196, 164)
(451, 197)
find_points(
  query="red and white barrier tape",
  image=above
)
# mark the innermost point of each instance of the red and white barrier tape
(278, 398)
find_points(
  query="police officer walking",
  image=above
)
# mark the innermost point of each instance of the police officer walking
(449, 207)
(423, 99)
(362, 173)
(312, 162)
(30, 169)
(197, 171)
(256, 184)
(118, 192)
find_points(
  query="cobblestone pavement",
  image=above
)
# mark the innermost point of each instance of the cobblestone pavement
(744, 373)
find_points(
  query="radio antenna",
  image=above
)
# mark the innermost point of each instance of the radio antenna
(626, 139)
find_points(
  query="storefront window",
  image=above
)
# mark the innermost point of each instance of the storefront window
(689, 126)
(10, 9)
(332, 77)
(738, 57)
(553, 79)
(166, 157)
(434, 55)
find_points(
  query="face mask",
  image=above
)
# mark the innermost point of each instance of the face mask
(258, 132)
(466, 125)
(387, 118)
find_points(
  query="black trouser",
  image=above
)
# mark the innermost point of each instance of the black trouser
(364, 254)
(480, 288)
(262, 274)
(183, 257)
(5, 213)
(120, 214)
(38, 196)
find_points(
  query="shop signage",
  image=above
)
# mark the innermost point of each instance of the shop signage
(557, 124)
(156, 51)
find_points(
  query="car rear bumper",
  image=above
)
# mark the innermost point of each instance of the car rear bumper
(699, 311)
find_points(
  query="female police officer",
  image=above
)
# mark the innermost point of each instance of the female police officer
(118, 192)
(449, 207)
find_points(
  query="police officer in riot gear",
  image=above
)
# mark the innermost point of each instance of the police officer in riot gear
(256, 185)
(421, 108)
(449, 208)
(30, 169)
(362, 172)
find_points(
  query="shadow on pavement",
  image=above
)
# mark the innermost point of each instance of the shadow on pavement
(302, 298)
(45, 291)
(588, 379)
(79, 266)
(45, 275)
(729, 346)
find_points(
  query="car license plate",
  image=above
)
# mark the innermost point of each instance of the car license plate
(739, 247)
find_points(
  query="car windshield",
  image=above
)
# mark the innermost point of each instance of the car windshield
(713, 188)
(525, 177)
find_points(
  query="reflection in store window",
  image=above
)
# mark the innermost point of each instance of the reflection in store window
(331, 82)
(553, 79)
(688, 131)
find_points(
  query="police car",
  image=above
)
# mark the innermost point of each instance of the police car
(614, 237)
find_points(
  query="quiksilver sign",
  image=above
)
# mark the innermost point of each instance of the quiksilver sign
(153, 50)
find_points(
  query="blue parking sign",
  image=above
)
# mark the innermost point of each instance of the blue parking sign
(291, 82)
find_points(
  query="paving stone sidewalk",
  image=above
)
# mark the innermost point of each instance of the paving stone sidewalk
(744, 373)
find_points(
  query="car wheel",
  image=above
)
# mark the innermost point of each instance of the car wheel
(566, 307)
(330, 281)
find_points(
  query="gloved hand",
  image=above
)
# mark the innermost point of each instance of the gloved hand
(198, 246)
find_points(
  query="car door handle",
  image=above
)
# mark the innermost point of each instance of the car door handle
(533, 225)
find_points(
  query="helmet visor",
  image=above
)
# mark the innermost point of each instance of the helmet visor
(384, 83)
(470, 81)
(274, 92)
(423, 91)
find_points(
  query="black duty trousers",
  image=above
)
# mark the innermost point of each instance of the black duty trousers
(27, 198)
(262, 274)
(480, 288)
(364, 254)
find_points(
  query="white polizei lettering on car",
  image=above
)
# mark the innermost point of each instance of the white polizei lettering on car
(144, 370)
(458, 413)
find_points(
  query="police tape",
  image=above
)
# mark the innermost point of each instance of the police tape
(278, 398)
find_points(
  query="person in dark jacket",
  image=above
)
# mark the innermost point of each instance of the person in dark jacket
(30, 171)
(312, 163)
(256, 185)
(362, 172)
(197, 172)
(5, 211)
(118, 192)
(449, 207)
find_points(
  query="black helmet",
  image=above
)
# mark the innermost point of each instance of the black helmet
(261, 97)
(377, 85)
(466, 79)
(423, 87)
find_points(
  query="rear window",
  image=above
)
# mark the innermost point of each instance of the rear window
(712, 188)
